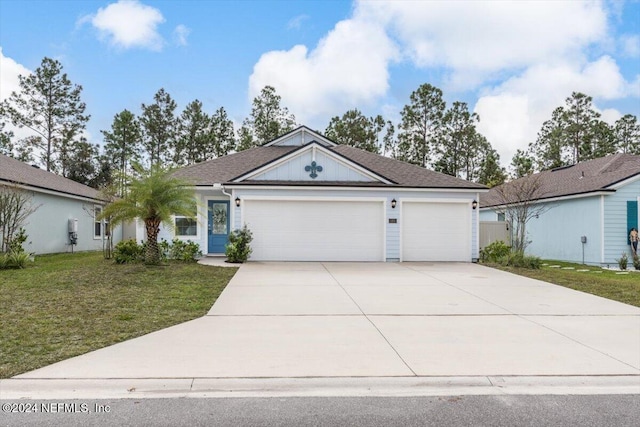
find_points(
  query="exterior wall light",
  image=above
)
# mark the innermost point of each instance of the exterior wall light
(393, 204)
(238, 202)
(474, 205)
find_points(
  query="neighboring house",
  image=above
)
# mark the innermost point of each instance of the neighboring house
(305, 198)
(597, 199)
(58, 200)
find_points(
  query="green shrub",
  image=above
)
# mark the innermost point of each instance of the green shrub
(520, 260)
(636, 262)
(238, 248)
(164, 247)
(128, 251)
(15, 260)
(188, 251)
(623, 261)
(15, 245)
(494, 252)
(19, 259)
(4, 261)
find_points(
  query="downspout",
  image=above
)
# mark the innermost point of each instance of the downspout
(232, 205)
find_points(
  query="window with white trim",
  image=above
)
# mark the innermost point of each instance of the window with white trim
(99, 226)
(186, 226)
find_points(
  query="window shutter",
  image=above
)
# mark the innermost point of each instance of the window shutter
(632, 218)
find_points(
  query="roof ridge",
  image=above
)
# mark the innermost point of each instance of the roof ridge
(613, 159)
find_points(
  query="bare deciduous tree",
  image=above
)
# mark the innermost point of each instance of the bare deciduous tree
(519, 202)
(15, 207)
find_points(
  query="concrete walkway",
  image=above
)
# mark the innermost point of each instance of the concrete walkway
(307, 321)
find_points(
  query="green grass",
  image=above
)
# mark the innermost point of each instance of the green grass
(607, 284)
(69, 304)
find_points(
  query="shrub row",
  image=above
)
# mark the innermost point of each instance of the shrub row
(500, 253)
(128, 251)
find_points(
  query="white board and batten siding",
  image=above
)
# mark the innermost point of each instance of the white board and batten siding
(316, 230)
(294, 170)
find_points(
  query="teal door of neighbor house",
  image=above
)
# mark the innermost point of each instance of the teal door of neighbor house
(218, 226)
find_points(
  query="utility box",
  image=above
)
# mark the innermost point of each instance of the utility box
(73, 231)
(583, 239)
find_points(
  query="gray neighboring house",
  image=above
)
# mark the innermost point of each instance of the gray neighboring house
(306, 198)
(596, 199)
(59, 200)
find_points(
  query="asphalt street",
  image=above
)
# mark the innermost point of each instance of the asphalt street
(495, 411)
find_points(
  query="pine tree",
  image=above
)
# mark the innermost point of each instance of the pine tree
(627, 132)
(49, 105)
(159, 128)
(268, 120)
(356, 130)
(122, 146)
(418, 129)
(221, 135)
(192, 143)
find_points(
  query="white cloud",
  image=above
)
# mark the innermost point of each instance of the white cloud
(9, 72)
(128, 24)
(513, 112)
(9, 82)
(180, 34)
(347, 68)
(630, 45)
(474, 39)
(522, 58)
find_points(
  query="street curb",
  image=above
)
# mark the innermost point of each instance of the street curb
(145, 388)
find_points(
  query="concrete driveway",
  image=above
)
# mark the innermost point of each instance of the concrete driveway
(380, 320)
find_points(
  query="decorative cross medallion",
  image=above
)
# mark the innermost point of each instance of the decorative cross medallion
(313, 169)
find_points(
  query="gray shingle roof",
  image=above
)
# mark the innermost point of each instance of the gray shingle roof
(404, 174)
(581, 178)
(224, 169)
(15, 171)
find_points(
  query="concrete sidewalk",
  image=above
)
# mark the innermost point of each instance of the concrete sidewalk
(295, 321)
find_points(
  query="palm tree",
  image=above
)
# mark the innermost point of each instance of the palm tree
(154, 198)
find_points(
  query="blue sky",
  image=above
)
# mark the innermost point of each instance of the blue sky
(513, 62)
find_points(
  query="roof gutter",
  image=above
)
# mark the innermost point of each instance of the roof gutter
(552, 199)
(219, 186)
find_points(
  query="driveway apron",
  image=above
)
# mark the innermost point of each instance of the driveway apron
(329, 319)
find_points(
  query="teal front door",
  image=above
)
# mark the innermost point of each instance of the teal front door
(218, 226)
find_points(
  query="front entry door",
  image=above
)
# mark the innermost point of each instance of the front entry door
(218, 225)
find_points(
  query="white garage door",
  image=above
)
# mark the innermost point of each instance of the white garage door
(436, 231)
(315, 230)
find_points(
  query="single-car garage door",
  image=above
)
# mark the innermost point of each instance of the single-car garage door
(436, 231)
(315, 230)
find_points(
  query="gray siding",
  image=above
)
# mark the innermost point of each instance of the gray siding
(615, 224)
(556, 233)
(47, 227)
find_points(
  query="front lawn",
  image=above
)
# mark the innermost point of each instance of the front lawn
(69, 304)
(619, 287)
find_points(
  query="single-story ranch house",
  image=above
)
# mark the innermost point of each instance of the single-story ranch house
(306, 198)
(592, 206)
(63, 207)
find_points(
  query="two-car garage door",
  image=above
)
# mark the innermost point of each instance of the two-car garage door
(315, 230)
(335, 230)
